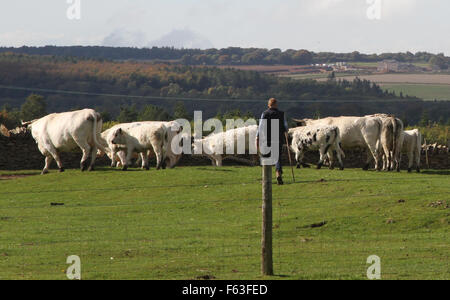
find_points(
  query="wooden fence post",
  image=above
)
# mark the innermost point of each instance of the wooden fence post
(266, 241)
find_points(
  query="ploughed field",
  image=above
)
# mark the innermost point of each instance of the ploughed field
(205, 223)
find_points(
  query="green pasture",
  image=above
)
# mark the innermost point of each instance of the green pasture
(423, 91)
(205, 223)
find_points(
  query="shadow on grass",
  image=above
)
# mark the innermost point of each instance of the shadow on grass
(436, 172)
(18, 175)
(215, 169)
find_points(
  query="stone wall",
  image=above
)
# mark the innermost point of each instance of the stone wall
(20, 152)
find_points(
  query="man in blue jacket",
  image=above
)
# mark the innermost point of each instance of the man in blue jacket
(272, 113)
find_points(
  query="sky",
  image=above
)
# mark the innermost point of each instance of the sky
(368, 26)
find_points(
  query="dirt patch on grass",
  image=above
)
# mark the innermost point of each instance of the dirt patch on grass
(15, 176)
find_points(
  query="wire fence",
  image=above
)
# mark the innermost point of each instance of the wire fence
(205, 238)
(187, 99)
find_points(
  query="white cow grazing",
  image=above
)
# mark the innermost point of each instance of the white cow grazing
(324, 138)
(215, 145)
(412, 141)
(139, 138)
(117, 154)
(356, 132)
(64, 132)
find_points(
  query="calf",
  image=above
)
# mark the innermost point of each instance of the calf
(215, 145)
(324, 138)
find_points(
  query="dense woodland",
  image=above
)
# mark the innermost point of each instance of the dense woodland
(228, 56)
(130, 90)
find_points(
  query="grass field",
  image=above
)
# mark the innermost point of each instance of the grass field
(424, 86)
(204, 222)
(423, 91)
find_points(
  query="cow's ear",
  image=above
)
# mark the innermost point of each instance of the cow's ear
(181, 129)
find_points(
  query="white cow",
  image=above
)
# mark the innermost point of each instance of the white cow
(64, 132)
(215, 145)
(117, 154)
(412, 141)
(325, 138)
(140, 138)
(356, 132)
(390, 141)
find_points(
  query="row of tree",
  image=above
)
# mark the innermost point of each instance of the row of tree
(162, 80)
(141, 90)
(227, 56)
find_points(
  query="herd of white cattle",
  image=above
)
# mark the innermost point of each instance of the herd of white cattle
(383, 135)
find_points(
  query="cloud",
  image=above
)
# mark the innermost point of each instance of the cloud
(125, 38)
(182, 38)
(20, 38)
(324, 4)
(392, 8)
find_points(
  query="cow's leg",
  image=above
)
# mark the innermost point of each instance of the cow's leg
(368, 161)
(218, 159)
(144, 158)
(330, 156)
(48, 162)
(50, 153)
(55, 155)
(417, 157)
(113, 159)
(159, 156)
(339, 157)
(389, 161)
(86, 149)
(372, 154)
(298, 158)
(398, 160)
(127, 159)
(121, 159)
(410, 160)
(322, 156)
(93, 157)
(169, 162)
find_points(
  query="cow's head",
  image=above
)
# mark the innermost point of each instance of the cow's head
(300, 122)
(117, 137)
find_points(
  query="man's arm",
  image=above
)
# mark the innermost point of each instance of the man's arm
(286, 125)
(260, 127)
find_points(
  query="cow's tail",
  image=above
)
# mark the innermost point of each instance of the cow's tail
(419, 143)
(396, 131)
(166, 143)
(97, 123)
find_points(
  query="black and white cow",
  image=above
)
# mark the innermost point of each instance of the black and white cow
(324, 138)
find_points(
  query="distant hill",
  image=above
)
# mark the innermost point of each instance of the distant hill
(226, 56)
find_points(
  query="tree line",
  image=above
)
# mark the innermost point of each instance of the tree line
(142, 90)
(227, 56)
(164, 80)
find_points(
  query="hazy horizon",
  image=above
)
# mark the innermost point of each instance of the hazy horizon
(367, 26)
